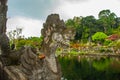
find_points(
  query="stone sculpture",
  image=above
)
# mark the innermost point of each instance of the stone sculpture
(30, 65)
(55, 35)
(4, 41)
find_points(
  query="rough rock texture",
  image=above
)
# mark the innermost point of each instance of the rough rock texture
(4, 41)
(27, 64)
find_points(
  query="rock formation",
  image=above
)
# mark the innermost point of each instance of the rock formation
(55, 34)
(4, 41)
(30, 65)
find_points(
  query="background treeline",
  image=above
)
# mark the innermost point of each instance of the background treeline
(108, 22)
(88, 29)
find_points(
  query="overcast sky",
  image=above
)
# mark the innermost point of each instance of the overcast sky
(31, 14)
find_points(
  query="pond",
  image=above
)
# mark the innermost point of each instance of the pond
(90, 68)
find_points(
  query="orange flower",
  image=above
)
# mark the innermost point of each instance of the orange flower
(41, 56)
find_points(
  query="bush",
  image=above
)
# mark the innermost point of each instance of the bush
(118, 43)
(99, 37)
(107, 42)
(34, 42)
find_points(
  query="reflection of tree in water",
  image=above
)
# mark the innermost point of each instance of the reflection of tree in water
(90, 69)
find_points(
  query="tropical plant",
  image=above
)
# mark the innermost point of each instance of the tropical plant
(108, 20)
(99, 37)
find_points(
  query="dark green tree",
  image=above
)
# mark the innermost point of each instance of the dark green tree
(75, 23)
(88, 24)
(108, 20)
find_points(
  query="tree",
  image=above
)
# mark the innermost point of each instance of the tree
(108, 20)
(99, 37)
(85, 27)
(34, 42)
(117, 20)
(88, 24)
(69, 23)
(75, 23)
(14, 35)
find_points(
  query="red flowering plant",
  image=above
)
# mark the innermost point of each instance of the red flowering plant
(113, 37)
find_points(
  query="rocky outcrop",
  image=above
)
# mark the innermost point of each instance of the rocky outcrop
(4, 41)
(26, 63)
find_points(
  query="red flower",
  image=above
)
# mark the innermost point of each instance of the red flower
(113, 37)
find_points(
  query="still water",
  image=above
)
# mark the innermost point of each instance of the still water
(90, 68)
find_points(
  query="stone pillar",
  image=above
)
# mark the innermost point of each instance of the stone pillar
(4, 41)
(3, 19)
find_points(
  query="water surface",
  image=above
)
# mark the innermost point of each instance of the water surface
(90, 68)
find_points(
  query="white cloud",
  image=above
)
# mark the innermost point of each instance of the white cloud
(31, 27)
(66, 9)
(69, 9)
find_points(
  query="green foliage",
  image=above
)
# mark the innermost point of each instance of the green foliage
(102, 49)
(15, 34)
(86, 27)
(18, 39)
(89, 68)
(112, 44)
(75, 23)
(34, 42)
(105, 49)
(117, 44)
(108, 22)
(73, 52)
(102, 64)
(99, 37)
(21, 43)
(107, 42)
(117, 31)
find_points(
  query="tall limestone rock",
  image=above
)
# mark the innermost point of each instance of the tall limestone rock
(4, 41)
(33, 66)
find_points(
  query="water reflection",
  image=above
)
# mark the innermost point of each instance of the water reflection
(90, 68)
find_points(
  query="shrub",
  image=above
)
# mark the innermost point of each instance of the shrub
(117, 45)
(107, 42)
(99, 37)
